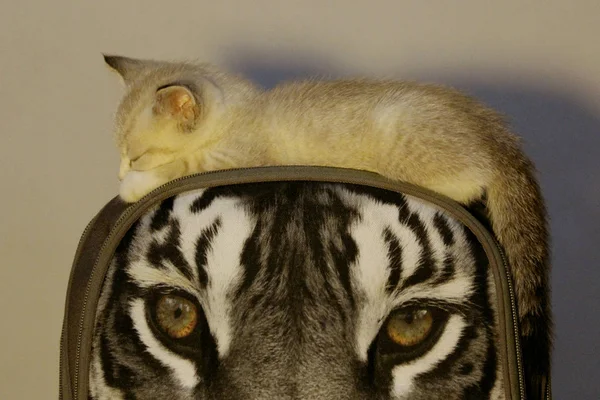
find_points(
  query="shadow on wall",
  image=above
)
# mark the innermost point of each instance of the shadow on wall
(563, 139)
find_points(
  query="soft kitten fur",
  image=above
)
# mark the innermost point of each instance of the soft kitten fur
(182, 118)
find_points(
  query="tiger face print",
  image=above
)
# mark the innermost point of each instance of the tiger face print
(296, 291)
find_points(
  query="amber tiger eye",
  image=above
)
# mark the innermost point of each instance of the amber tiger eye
(176, 316)
(410, 328)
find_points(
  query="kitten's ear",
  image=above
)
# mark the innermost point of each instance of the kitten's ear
(127, 68)
(179, 103)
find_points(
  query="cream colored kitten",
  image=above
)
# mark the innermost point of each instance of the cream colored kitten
(181, 118)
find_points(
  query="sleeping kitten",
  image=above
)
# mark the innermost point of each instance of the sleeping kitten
(178, 119)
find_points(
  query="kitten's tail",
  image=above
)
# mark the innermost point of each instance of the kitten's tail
(519, 219)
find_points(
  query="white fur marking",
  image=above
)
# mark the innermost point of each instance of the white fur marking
(371, 270)
(147, 276)
(426, 215)
(404, 375)
(370, 274)
(223, 267)
(223, 259)
(183, 370)
(98, 387)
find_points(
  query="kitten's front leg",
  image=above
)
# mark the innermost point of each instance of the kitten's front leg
(137, 184)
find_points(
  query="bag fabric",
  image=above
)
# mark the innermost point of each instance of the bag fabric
(290, 283)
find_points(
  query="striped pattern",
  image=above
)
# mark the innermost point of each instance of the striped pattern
(295, 282)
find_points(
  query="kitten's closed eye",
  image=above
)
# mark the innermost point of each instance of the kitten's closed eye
(150, 160)
(141, 162)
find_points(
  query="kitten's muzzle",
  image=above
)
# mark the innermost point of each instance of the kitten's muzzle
(124, 168)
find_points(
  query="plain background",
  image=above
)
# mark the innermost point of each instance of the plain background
(536, 61)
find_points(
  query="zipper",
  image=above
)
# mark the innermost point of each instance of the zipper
(63, 334)
(299, 173)
(515, 324)
(85, 301)
(60, 363)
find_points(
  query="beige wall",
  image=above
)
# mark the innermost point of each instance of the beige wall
(58, 165)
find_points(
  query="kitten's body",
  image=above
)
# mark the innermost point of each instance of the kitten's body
(426, 135)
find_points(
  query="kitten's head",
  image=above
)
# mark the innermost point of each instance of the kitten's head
(171, 108)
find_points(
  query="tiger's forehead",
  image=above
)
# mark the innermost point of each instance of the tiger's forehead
(306, 248)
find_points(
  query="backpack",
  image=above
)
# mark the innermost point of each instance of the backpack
(290, 282)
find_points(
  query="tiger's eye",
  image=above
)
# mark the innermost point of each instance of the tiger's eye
(410, 328)
(176, 316)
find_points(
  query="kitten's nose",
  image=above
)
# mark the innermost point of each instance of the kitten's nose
(124, 168)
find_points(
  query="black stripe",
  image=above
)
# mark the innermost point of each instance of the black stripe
(421, 274)
(316, 246)
(124, 346)
(486, 312)
(123, 248)
(473, 392)
(489, 368)
(250, 259)
(448, 270)
(381, 195)
(111, 371)
(483, 388)
(342, 260)
(170, 251)
(466, 369)
(480, 295)
(395, 259)
(161, 217)
(424, 269)
(130, 396)
(442, 226)
(347, 255)
(130, 349)
(259, 192)
(286, 264)
(404, 213)
(280, 251)
(203, 246)
(443, 369)
(202, 202)
(285, 243)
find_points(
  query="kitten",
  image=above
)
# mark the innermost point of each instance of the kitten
(182, 118)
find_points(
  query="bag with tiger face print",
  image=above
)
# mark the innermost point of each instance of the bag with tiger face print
(290, 283)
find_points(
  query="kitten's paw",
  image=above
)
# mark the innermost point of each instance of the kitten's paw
(137, 184)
